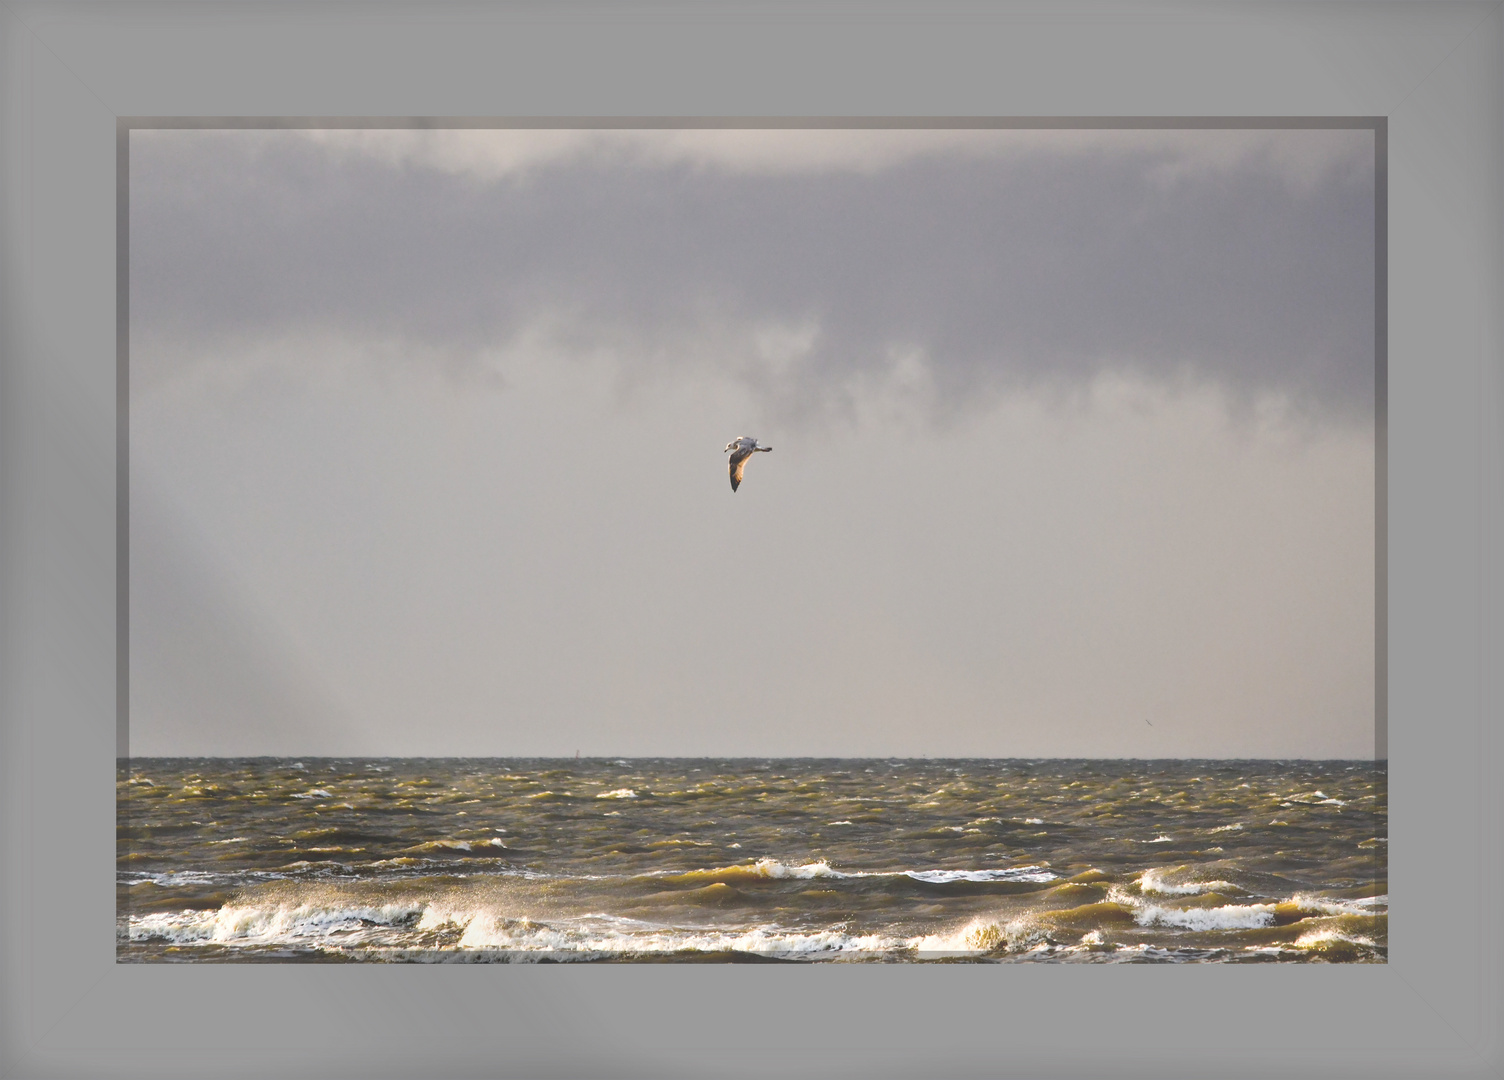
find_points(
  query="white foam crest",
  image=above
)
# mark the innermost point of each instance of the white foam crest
(1236, 826)
(315, 793)
(1229, 917)
(1143, 948)
(1316, 939)
(1014, 873)
(183, 927)
(489, 932)
(303, 920)
(437, 916)
(1153, 881)
(176, 877)
(774, 869)
(764, 867)
(619, 793)
(622, 920)
(266, 924)
(982, 935)
(1368, 905)
(452, 845)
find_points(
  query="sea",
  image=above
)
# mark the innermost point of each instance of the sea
(750, 860)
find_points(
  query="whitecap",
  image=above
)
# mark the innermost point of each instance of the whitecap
(1316, 939)
(450, 845)
(1367, 905)
(578, 939)
(1013, 873)
(774, 869)
(1229, 917)
(981, 935)
(172, 926)
(1153, 881)
(237, 924)
(175, 878)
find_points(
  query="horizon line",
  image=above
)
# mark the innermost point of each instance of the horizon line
(708, 757)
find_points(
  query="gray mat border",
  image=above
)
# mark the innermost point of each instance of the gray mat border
(71, 71)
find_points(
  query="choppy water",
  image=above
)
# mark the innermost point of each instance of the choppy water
(784, 859)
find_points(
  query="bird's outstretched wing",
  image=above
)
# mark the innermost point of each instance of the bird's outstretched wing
(738, 463)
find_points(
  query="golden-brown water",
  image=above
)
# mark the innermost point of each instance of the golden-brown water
(793, 859)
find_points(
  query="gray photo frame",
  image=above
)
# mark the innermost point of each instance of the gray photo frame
(73, 71)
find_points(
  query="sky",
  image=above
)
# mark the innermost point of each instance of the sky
(1073, 442)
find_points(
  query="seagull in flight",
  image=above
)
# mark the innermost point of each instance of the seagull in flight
(741, 449)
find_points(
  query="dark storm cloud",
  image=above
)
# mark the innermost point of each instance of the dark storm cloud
(1034, 270)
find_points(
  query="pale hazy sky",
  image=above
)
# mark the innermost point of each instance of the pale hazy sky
(1073, 443)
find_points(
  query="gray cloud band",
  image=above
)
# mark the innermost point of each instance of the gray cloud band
(978, 274)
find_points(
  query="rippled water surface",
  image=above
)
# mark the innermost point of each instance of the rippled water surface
(751, 860)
